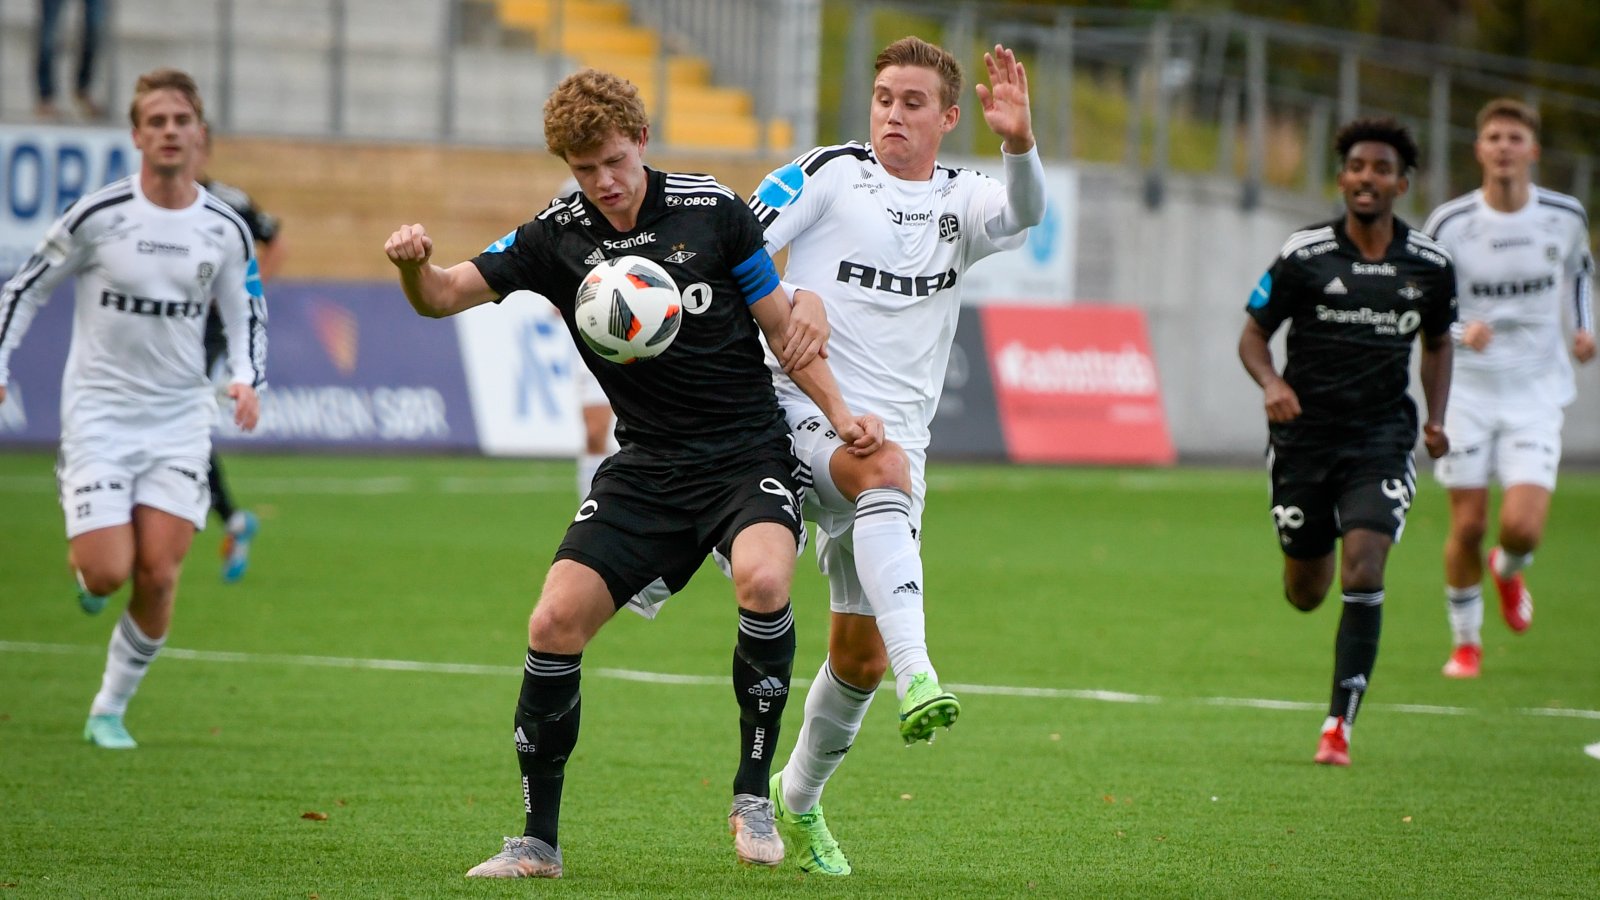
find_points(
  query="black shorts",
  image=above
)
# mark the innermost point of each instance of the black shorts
(1320, 494)
(651, 540)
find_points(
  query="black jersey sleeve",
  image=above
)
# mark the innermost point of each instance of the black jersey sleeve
(1273, 299)
(516, 262)
(1439, 310)
(746, 247)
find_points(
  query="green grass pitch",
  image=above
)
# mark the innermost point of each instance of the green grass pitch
(1140, 706)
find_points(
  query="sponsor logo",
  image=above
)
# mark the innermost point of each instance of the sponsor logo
(782, 186)
(160, 248)
(520, 738)
(190, 474)
(1372, 269)
(776, 488)
(1335, 287)
(1315, 249)
(638, 240)
(1382, 321)
(871, 187)
(147, 306)
(500, 245)
(676, 200)
(563, 218)
(909, 587)
(1507, 243)
(907, 217)
(1425, 253)
(586, 511)
(1127, 372)
(1398, 491)
(96, 486)
(769, 686)
(338, 333)
(892, 283)
(949, 228)
(595, 258)
(1514, 288)
(1288, 517)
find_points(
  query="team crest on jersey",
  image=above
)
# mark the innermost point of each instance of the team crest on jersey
(204, 274)
(1411, 291)
(949, 228)
(1552, 252)
(680, 256)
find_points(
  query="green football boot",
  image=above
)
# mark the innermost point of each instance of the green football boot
(108, 732)
(925, 707)
(809, 837)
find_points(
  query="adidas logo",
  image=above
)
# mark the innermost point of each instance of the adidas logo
(523, 744)
(1335, 287)
(596, 258)
(768, 687)
(909, 587)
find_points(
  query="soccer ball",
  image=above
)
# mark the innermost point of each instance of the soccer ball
(628, 309)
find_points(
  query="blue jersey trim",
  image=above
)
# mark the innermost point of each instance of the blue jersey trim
(781, 187)
(501, 245)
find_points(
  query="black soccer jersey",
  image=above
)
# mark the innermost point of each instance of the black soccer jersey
(709, 396)
(1351, 325)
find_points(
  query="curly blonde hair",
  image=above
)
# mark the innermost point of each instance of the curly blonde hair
(914, 51)
(587, 108)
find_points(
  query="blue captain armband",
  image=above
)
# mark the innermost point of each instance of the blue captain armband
(757, 276)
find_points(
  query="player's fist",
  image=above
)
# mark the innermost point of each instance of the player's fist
(1434, 439)
(246, 405)
(1476, 335)
(1281, 402)
(1582, 350)
(409, 246)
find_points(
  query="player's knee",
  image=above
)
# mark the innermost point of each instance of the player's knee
(1304, 598)
(1362, 574)
(1521, 533)
(101, 579)
(1469, 533)
(156, 579)
(764, 587)
(889, 467)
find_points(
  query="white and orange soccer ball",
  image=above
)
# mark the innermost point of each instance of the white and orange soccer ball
(628, 309)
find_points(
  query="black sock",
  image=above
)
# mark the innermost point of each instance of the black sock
(763, 661)
(1355, 651)
(220, 501)
(546, 731)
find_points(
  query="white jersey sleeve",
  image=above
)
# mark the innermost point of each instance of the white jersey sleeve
(58, 256)
(888, 257)
(241, 304)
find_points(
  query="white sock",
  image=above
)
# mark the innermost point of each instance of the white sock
(889, 565)
(588, 463)
(1509, 564)
(834, 712)
(1465, 606)
(127, 659)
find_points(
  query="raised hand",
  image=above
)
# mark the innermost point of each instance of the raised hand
(409, 246)
(1005, 100)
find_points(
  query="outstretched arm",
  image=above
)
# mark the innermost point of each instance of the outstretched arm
(861, 434)
(1005, 110)
(434, 292)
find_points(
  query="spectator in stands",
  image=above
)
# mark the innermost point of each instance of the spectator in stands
(94, 16)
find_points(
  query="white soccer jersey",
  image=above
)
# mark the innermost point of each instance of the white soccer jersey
(1516, 272)
(888, 258)
(146, 276)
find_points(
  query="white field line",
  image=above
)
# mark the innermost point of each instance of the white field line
(438, 668)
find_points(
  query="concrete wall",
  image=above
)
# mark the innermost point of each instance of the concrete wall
(1191, 266)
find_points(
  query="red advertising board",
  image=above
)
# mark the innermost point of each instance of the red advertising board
(1076, 384)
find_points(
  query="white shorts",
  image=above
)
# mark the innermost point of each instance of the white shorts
(1512, 445)
(834, 516)
(97, 492)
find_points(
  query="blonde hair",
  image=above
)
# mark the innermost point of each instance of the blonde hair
(914, 51)
(166, 80)
(587, 108)
(1507, 108)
